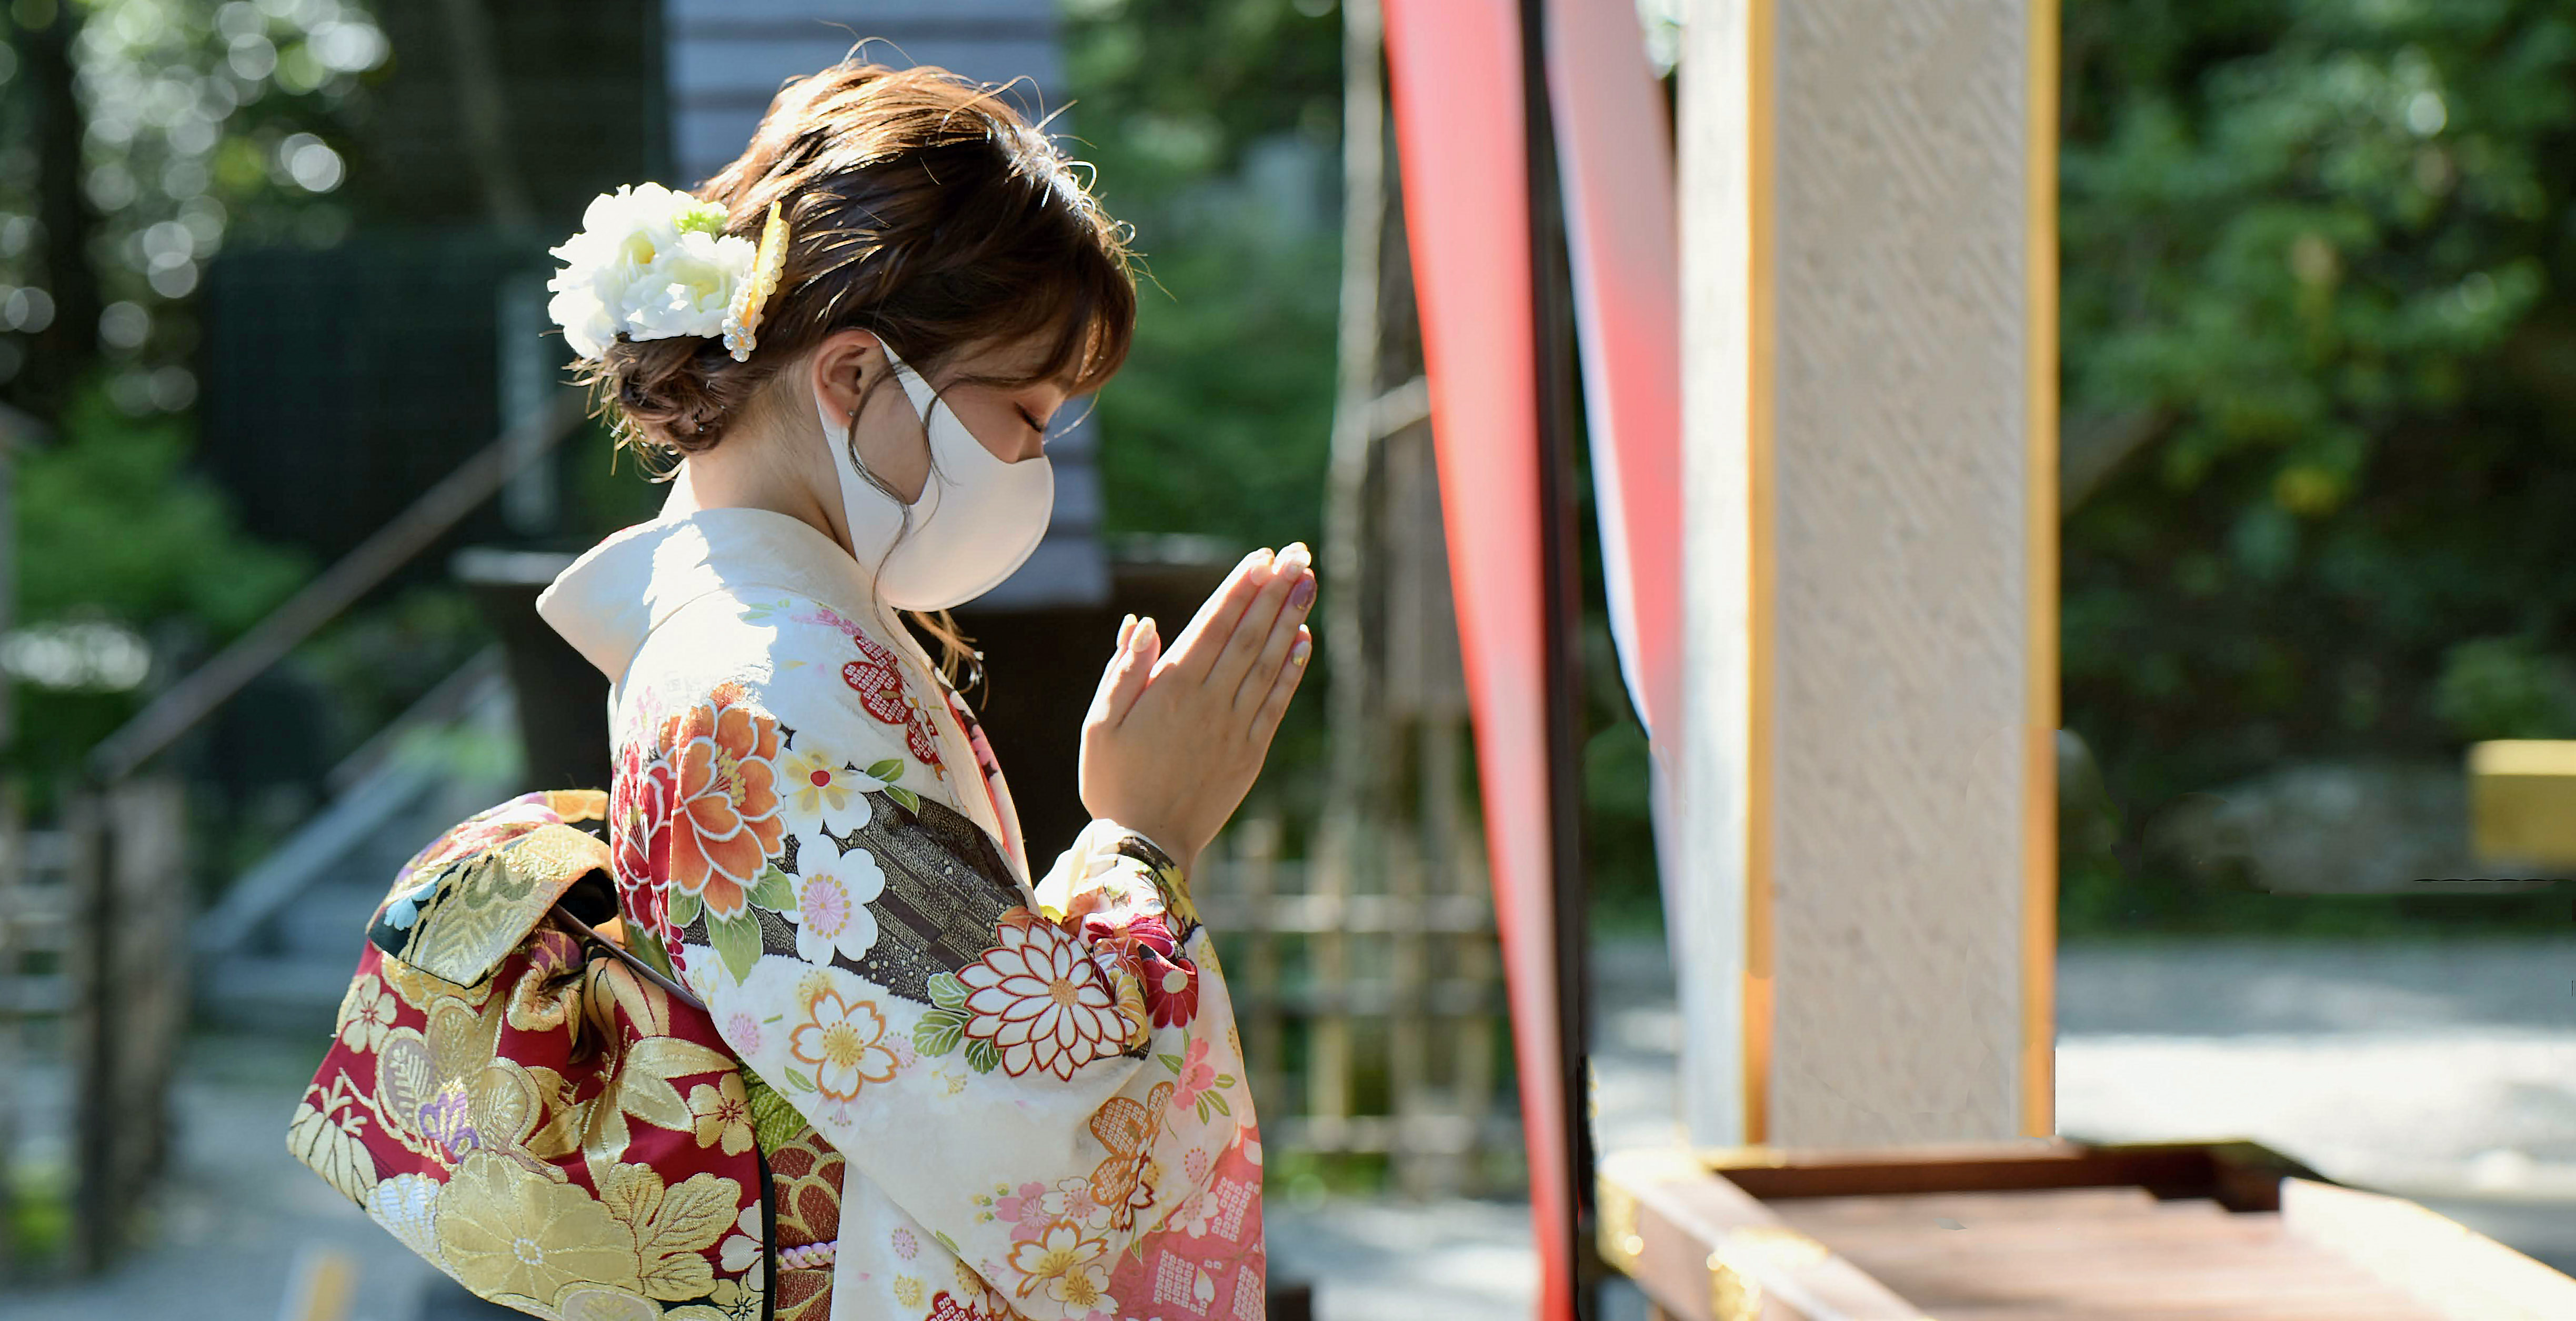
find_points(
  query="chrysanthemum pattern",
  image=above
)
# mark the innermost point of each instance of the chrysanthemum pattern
(1040, 1002)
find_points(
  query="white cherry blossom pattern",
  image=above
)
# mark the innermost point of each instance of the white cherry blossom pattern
(1041, 1003)
(832, 896)
(1070, 1265)
(843, 1042)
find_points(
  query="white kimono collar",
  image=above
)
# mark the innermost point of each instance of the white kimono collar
(620, 590)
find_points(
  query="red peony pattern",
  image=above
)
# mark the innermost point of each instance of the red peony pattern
(639, 829)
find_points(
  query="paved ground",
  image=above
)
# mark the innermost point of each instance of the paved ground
(2447, 1073)
(240, 1211)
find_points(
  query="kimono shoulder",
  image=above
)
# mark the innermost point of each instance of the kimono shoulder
(841, 696)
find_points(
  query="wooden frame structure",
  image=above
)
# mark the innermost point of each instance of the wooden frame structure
(2044, 1231)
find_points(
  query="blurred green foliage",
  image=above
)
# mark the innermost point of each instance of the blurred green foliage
(113, 528)
(203, 122)
(199, 123)
(110, 517)
(1221, 422)
(2320, 376)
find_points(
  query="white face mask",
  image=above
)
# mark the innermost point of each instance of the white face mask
(977, 519)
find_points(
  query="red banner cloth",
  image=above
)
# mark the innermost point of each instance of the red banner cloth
(1461, 140)
(1615, 157)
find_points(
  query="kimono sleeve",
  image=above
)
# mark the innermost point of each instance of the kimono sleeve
(1037, 1078)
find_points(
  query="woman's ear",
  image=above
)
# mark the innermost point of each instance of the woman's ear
(841, 368)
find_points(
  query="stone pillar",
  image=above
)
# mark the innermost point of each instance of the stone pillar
(1865, 782)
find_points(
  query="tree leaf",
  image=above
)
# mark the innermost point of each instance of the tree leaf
(911, 801)
(333, 1151)
(946, 991)
(981, 1057)
(737, 940)
(691, 1218)
(650, 1097)
(938, 1032)
(774, 1119)
(676, 1057)
(632, 1193)
(673, 1276)
(684, 908)
(1172, 1062)
(889, 770)
(774, 890)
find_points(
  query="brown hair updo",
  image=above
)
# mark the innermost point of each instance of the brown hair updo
(921, 207)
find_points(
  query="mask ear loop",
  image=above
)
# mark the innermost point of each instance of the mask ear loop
(858, 462)
(938, 399)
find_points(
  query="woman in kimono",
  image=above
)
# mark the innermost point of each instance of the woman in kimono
(853, 341)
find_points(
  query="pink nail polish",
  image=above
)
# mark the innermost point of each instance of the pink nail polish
(1302, 593)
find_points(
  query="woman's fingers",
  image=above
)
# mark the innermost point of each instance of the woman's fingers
(1148, 645)
(1127, 674)
(1195, 651)
(1265, 722)
(1276, 639)
(1109, 673)
(1261, 619)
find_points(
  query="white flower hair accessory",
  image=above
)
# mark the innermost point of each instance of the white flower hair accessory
(650, 263)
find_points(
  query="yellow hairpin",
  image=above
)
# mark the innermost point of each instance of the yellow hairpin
(742, 315)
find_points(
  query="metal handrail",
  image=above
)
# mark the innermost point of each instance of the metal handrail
(180, 707)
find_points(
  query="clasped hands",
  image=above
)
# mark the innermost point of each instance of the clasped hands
(1173, 740)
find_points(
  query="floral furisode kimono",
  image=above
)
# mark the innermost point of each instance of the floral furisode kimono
(1034, 1083)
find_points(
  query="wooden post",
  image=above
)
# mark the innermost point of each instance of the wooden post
(90, 952)
(14, 933)
(1348, 841)
(1255, 875)
(129, 1000)
(1561, 556)
(323, 1281)
(1416, 1109)
(1396, 853)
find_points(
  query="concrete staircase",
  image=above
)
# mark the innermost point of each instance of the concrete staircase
(277, 950)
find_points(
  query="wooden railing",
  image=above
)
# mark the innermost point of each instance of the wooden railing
(1399, 994)
(124, 898)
